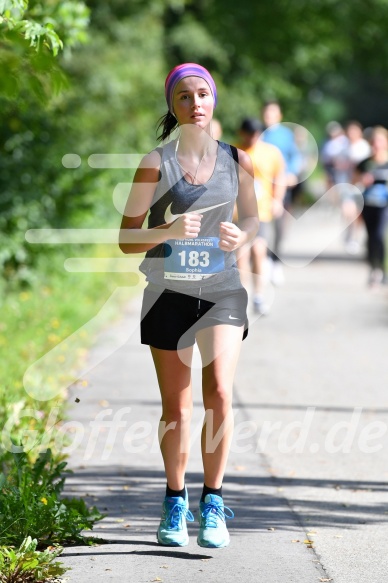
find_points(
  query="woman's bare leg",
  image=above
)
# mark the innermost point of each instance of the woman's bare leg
(174, 429)
(259, 255)
(244, 265)
(220, 348)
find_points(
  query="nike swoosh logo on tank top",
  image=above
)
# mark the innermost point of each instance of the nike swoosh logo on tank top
(168, 216)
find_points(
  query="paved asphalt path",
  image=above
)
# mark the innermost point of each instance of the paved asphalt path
(307, 475)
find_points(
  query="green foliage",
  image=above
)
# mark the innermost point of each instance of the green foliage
(301, 53)
(116, 95)
(194, 42)
(27, 565)
(34, 321)
(110, 106)
(30, 502)
(45, 25)
(31, 35)
(37, 191)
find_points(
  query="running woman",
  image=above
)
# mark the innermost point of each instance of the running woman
(277, 134)
(372, 175)
(270, 187)
(194, 293)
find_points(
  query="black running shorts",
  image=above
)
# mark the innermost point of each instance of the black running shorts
(170, 320)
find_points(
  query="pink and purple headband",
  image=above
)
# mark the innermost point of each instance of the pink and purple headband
(187, 70)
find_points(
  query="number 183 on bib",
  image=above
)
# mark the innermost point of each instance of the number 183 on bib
(193, 259)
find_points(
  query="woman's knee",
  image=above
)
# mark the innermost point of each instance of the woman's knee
(217, 395)
(175, 412)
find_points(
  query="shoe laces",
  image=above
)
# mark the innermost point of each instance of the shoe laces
(176, 512)
(213, 512)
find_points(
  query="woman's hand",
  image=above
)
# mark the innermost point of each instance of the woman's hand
(231, 237)
(186, 227)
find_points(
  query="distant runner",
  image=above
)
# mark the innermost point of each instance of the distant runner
(269, 175)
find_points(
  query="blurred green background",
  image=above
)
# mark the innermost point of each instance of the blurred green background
(322, 59)
(88, 77)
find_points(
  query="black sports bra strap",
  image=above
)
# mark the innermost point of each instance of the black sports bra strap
(234, 153)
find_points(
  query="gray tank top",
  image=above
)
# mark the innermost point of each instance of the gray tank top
(184, 266)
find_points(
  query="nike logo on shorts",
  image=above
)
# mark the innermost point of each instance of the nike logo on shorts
(232, 318)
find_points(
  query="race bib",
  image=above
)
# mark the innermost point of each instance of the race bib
(193, 259)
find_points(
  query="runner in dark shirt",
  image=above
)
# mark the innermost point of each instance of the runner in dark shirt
(372, 173)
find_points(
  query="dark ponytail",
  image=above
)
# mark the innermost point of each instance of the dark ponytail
(168, 123)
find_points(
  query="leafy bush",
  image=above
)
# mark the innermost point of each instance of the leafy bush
(31, 34)
(26, 564)
(30, 502)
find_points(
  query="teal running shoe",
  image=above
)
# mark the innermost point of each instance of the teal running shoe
(212, 528)
(172, 531)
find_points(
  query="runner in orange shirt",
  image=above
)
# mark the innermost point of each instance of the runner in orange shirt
(269, 170)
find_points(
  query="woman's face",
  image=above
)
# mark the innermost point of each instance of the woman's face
(379, 142)
(354, 132)
(193, 102)
(272, 114)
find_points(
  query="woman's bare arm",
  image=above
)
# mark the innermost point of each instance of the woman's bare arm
(248, 218)
(232, 236)
(133, 238)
